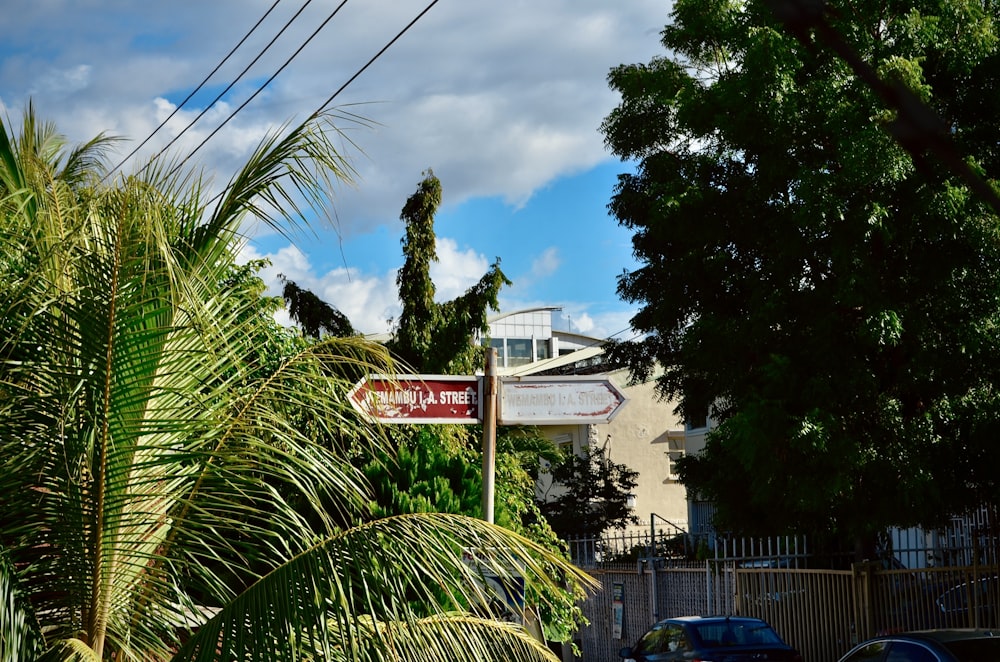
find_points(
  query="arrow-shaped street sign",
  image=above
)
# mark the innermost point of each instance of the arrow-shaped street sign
(558, 400)
(460, 399)
(419, 399)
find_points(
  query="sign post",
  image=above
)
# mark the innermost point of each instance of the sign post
(489, 434)
(490, 400)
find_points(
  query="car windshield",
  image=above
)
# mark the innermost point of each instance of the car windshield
(735, 633)
(975, 650)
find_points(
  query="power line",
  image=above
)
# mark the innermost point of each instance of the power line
(375, 57)
(240, 76)
(196, 90)
(257, 91)
(329, 99)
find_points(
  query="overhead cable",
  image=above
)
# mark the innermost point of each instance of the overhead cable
(196, 90)
(257, 91)
(240, 76)
(329, 99)
(375, 57)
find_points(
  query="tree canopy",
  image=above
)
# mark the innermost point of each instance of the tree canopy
(811, 272)
(313, 315)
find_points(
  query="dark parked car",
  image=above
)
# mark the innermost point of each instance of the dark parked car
(959, 606)
(711, 638)
(929, 646)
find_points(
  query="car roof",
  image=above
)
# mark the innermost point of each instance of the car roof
(711, 619)
(946, 635)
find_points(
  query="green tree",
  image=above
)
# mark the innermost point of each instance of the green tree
(424, 475)
(438, 338)
(831, 298)
(312, 314)
(591, 494)
(140, 427)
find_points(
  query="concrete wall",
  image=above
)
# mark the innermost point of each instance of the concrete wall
(645, 435)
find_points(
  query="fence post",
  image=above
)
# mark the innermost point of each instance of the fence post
(708, 587)
(864, 617)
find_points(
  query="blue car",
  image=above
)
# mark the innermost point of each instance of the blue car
(710, 639)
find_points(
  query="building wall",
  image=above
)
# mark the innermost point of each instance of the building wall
(647, 435)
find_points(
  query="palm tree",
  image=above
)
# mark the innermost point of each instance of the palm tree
(157, 499)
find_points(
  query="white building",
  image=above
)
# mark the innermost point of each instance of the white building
(645, 435)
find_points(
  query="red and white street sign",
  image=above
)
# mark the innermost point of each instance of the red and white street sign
(419, 399)
(557, 400)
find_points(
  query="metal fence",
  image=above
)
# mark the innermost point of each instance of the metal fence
(820, 605)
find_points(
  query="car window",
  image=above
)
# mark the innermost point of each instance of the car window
(905, 651)
(756, 635)
(866, 653)
(975, 650)
(662, 639)
(713, 635)
(734, 633)
(677, 639)
(652, 642)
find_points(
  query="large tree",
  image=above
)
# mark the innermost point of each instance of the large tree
(815, 270)
(150, 447)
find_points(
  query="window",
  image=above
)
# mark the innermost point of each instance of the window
(672, 457)
(542, 350)
(662, 639)
(697, 421)
(518, 351)
(905, 651)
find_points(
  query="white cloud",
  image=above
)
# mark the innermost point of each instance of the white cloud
(546, 264)
(455, 271)
(500, 99)
(583, 323)
(369, 301)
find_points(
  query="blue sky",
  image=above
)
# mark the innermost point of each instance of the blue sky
(502, 100)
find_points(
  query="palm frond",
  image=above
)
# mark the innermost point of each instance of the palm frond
(306, 158)
(69, 650)
(461, 637)
(352, 596)
(20, 635)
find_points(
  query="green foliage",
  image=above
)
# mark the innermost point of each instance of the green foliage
(314, 315)
(592, 494)
(437, 469)
(424, 476)
(432, 337)
(152, 445)
(832, 298)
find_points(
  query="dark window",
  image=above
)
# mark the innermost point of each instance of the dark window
(905, 651)
(698, 421)
(518, 351)
(870, 652)
(666, 638)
